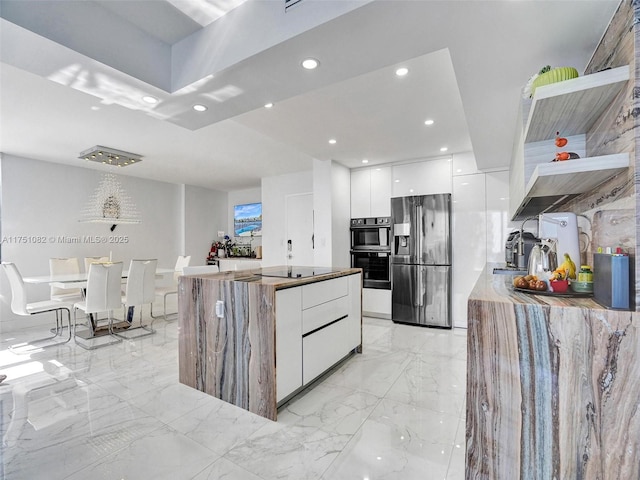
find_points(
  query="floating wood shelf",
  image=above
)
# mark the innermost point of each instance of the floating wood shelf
(556, 182)
(572, 107)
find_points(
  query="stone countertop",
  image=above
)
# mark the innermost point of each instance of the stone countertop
(259, 276)
(239, 258)
(499, 288)
(552, 386)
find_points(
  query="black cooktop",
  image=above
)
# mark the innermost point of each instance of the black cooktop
(294, 272)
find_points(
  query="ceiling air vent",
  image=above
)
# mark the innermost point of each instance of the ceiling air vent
(290, 3)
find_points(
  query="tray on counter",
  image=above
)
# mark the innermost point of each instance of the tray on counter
(569, 293)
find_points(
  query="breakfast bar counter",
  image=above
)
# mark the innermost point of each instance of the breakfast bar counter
(256, 338)
(553, 386)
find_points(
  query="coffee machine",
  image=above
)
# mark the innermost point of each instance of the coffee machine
(512, 246)
(561, 228)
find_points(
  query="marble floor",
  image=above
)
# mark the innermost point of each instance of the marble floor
(394, 412)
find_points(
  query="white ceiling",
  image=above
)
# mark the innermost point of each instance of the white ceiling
(70, 87)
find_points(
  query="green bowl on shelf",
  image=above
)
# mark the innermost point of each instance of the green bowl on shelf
(554, 75)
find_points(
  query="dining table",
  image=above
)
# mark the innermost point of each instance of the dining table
(79, 280)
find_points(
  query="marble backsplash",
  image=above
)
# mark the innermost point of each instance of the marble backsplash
(612, 209)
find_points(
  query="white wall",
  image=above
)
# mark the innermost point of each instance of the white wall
(274, 227)
(205, 213)
(44, 200)
(340, 216)
(331, 209)
(322, 210)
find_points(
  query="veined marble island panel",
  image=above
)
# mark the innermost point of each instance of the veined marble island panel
(553, 387)
(234, 357)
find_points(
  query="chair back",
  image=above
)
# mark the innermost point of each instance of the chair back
(104, 287)
(18, 292)
(201, 269)
(181, 262)
(141, 282)
(63, 266)
(89, 260)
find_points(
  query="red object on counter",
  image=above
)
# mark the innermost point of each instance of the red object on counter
(559, 286)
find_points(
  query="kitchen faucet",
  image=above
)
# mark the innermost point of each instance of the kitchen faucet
(521, 241)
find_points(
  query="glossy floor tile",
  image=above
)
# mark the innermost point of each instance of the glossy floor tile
(394, 412)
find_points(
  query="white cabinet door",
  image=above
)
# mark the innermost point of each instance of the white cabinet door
(353, 337)
(360, 193)
(320, 292)
(422, 178)
(376, 302)
(468, 222)
(381, 192)
(323, 349)
(288, 341)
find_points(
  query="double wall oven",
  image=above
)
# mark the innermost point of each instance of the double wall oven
(371, 250)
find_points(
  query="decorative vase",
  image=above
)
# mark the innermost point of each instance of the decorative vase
(554, 75)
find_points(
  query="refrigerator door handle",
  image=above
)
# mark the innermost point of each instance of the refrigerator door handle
(420, 287)
(419, 230)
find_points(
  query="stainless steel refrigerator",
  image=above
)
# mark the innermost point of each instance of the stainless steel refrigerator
(421, 260)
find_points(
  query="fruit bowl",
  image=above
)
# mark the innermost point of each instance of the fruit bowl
(559, 286)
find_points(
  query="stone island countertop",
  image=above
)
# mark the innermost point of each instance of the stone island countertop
(553, 386)
(282, 276)
(236, 327)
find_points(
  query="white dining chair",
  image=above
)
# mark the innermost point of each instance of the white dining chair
(181, 262)
(20, 306)
(64, 266)
(140, 290)
(103, 295)
(89, 260)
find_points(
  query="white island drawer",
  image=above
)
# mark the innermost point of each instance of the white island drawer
(322, 349)
(321, 292)
(316, 317)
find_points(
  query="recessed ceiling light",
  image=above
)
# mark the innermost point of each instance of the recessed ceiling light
(268, 105)
(401, 72)
(310, 63)
(199, 108)
(444, 149)
(95, 108)
(397, 180)
(150, 99)
(364, 160)
(411, 190)
(332, 141)
(428, 122)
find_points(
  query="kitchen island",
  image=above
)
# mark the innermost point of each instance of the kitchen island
(553, 386)
(256, 338)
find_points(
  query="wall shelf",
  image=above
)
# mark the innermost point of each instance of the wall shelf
(556, 182)
(572, 107)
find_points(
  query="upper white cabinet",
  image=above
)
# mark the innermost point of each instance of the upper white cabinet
(371, 192)
(422, 178)
(571, 107)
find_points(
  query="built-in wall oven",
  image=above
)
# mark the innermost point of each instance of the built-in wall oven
(371, 250)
